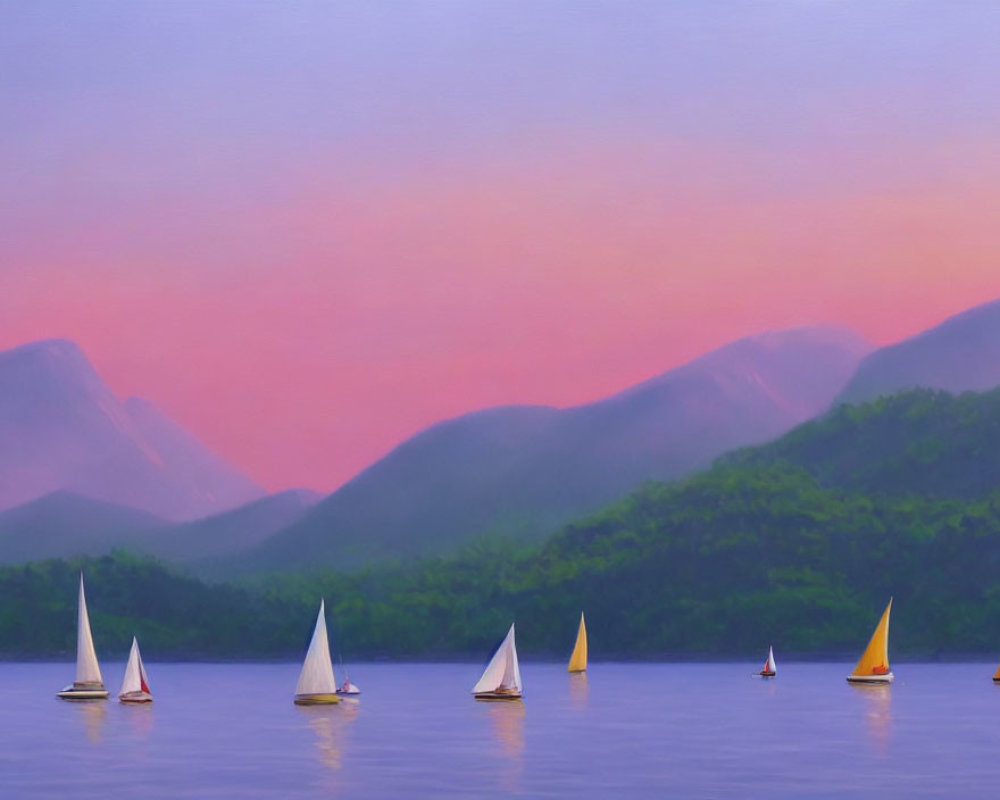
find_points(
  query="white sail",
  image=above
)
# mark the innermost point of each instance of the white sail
(135, 679)
(87, 669)
(769, 666)
(317, 670)
(503, 671)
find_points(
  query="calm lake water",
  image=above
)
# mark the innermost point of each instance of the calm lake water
(685, 730)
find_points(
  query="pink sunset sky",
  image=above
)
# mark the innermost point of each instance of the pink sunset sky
(308, 230)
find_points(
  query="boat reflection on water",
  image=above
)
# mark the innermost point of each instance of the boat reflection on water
(93, 713)
(508, 727)
(878, 711)
(329, 724)
(140, 717)
(579, 689)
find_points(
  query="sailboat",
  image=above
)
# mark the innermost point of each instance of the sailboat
(89, 685)
(578, 659)
(873, 666)
(769, 670)
(316, 685)
(996, 676)
(348, 688)
(502, 678)
(135, 684)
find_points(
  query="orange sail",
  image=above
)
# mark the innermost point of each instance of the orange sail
(996, 675)
(578, 660)
(873, 666)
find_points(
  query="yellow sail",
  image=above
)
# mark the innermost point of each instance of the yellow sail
(578, 661)
(875, 659)
(996, 675)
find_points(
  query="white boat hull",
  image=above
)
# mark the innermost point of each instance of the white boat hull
(79, 692)
(135, 697)
(887, 678)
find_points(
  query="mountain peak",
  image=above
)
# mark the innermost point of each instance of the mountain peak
(61, 427)
(962, 353)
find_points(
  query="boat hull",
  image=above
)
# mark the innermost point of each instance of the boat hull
(765, 674)
(497, 695)
(78, 692)
(347, 694)
(135, 697)
(887, 678)
(576, 671)
(316, 699)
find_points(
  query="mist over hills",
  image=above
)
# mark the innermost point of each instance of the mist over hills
(522, 471)
(61, 428)
(961, 354)
(64, 524)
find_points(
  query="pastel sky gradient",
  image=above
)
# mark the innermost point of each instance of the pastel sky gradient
(307, 230)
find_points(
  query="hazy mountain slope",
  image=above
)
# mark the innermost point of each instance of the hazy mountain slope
(229, 532)
(62, 428)
(65, 524)
(523, 471)
(960, 354)
(922, 441)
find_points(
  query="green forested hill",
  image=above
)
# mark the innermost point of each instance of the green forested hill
(779, 545)
(922, 441)
(721, 565)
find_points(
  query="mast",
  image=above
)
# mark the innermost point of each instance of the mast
(503, 671)
(875, 659)
(316, 676)
(134, 678)
(87, 669)
(578, 659)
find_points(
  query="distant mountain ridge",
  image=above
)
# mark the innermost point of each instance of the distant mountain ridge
(62, 428)
(64, 524)
(960, 354)
(522, 471)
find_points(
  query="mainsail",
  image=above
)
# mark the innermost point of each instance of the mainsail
(502, 673)
(87, 670)
(769, 666)
(578, 660)
(317, 670)
(875, 660)
(135, 679)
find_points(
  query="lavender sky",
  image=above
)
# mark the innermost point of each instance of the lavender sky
(307, 230)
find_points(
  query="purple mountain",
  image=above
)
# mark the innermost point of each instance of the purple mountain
(61, 428)
(961, 354)
(524, 470)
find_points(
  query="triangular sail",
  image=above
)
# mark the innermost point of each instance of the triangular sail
(769, 664)
(135, 679)
(317, 670)
(87, 669)
(503, 671)
(875, 659)
(578, 659)
(996, 675)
